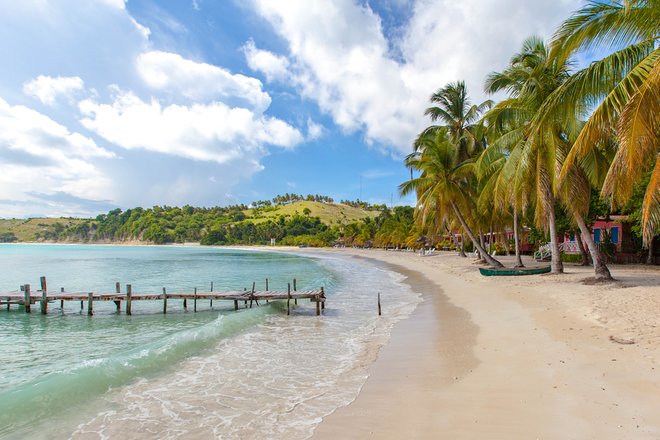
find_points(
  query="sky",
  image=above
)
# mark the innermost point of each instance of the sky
(114, 103)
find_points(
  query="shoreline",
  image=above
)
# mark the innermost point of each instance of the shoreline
(540, 363)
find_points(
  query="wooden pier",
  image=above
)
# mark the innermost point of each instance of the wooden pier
(27, 297)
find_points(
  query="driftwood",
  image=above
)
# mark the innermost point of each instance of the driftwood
(622, 341)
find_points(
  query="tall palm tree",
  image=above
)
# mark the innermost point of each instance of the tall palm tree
(443, 186)
(530, 79)
(622, 91)
(459, 117)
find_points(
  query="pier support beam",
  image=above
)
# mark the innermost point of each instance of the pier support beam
(288, 300)
(295, 289)
(379, 310)
(44, 296)
(164, 301)
(129, 294)
(62, 301)
(118, 291)
(236, 304)
(27, 298)
(195, 301)
(323, 296)
(90, 303)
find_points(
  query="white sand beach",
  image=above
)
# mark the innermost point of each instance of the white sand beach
(512, 357)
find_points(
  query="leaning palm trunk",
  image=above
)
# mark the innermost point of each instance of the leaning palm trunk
(650, 259)
(490, 260)
(516, 239)
(583, 251)
(556, 265)
(600, 268)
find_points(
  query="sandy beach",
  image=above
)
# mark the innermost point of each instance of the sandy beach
(512, 357)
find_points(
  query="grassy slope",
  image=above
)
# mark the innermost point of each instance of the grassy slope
(329, 213)
(26, 229)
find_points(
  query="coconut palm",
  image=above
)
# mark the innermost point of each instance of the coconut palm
(444, 185)
(530, 79)
(620, 91)
(459, 117)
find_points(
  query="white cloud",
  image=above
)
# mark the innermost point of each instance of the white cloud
(40, 156)
(170, 72)
(342, 60)
(314, 130)
(274, 67)
(48, 89)
(119, 4)
(206, 132)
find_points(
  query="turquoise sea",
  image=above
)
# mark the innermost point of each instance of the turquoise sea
(217, 373)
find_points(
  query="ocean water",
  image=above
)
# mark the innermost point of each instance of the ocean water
(217, 373)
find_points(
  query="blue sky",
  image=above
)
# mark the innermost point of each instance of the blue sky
(107, 103)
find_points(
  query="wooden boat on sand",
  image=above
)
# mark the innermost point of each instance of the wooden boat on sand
(508, 271)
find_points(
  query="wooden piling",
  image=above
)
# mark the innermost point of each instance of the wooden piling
(318, 307)
(235, 304)
(323, 296)
(118, 291)
(195, 301)
(185, 304)
(164, 301)
(379, 310)
(295, 289)
(62, 301)
(27, 298)
(211, 300)
(288, 300)
(44, 296)
(129, 295)
(90, 303)
(266, 284)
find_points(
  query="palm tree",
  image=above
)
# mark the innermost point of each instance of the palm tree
(444, 183)
(620, 91)
(459, 117)
(530, 79)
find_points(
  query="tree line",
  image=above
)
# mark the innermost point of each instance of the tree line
(560, 141)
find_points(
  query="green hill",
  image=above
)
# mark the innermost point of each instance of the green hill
(329, 213)
(167, 224)
(34, 229)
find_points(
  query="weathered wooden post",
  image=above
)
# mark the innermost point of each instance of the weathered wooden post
(62, 301)
(164, 301)
(27, 298)
(295, 289)
(90, 303)
(211, 300)
(235, 304)
(379, 311)
(266, 284)
(118, 291)
(129, 295)
(195, 301)
(288, 300)
(323, 296)
(185, 304)
(252, 297)
(44, 296)
(318, 306)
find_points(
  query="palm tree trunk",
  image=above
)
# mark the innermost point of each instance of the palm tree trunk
(461, 247)
(491, 261)
(556, 264)
(490, 239)
(516, 239)
(650, 257)
(583, 251)
(600, 268)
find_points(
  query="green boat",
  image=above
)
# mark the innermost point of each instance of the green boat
(510, 272)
